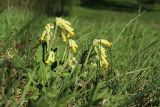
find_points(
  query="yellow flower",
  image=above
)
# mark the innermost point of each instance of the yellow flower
(73, 45)
(46, 35)
(104, 63)
(72, 62)
(51, 58)
(100, 50)
(70, 34)
(48, 27)
(102, 42)
(42, 38)
(65, 27)
(59, 21)
(64, 24)
(63, 37)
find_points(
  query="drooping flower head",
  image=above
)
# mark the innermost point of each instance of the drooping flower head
(47, 31)
(100, 50)
(73, 45)
(102, 42)
(46, 35)
(99, 45)
(51, 58)
(72, 62)
(65, 28)
(103, 62)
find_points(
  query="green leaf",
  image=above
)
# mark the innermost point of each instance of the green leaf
(39, 54)
(63, 74)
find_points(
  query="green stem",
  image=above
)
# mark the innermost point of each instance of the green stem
(86, 61)
(52, 39)
(65, 64)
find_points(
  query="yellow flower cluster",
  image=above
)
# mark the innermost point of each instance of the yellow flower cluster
(65, 28)
(46, 35)
(102, 42)
(73, 45)
(66, 32)
(51, 58)
(101, 51)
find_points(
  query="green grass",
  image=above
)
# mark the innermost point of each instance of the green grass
(132, 79)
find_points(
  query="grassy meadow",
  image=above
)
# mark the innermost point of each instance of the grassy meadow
(131, 80)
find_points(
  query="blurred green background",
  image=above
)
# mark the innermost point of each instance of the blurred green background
(64, 7)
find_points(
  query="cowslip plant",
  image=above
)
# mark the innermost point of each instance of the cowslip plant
(99, 45)
(47, 59)
(46, 55)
